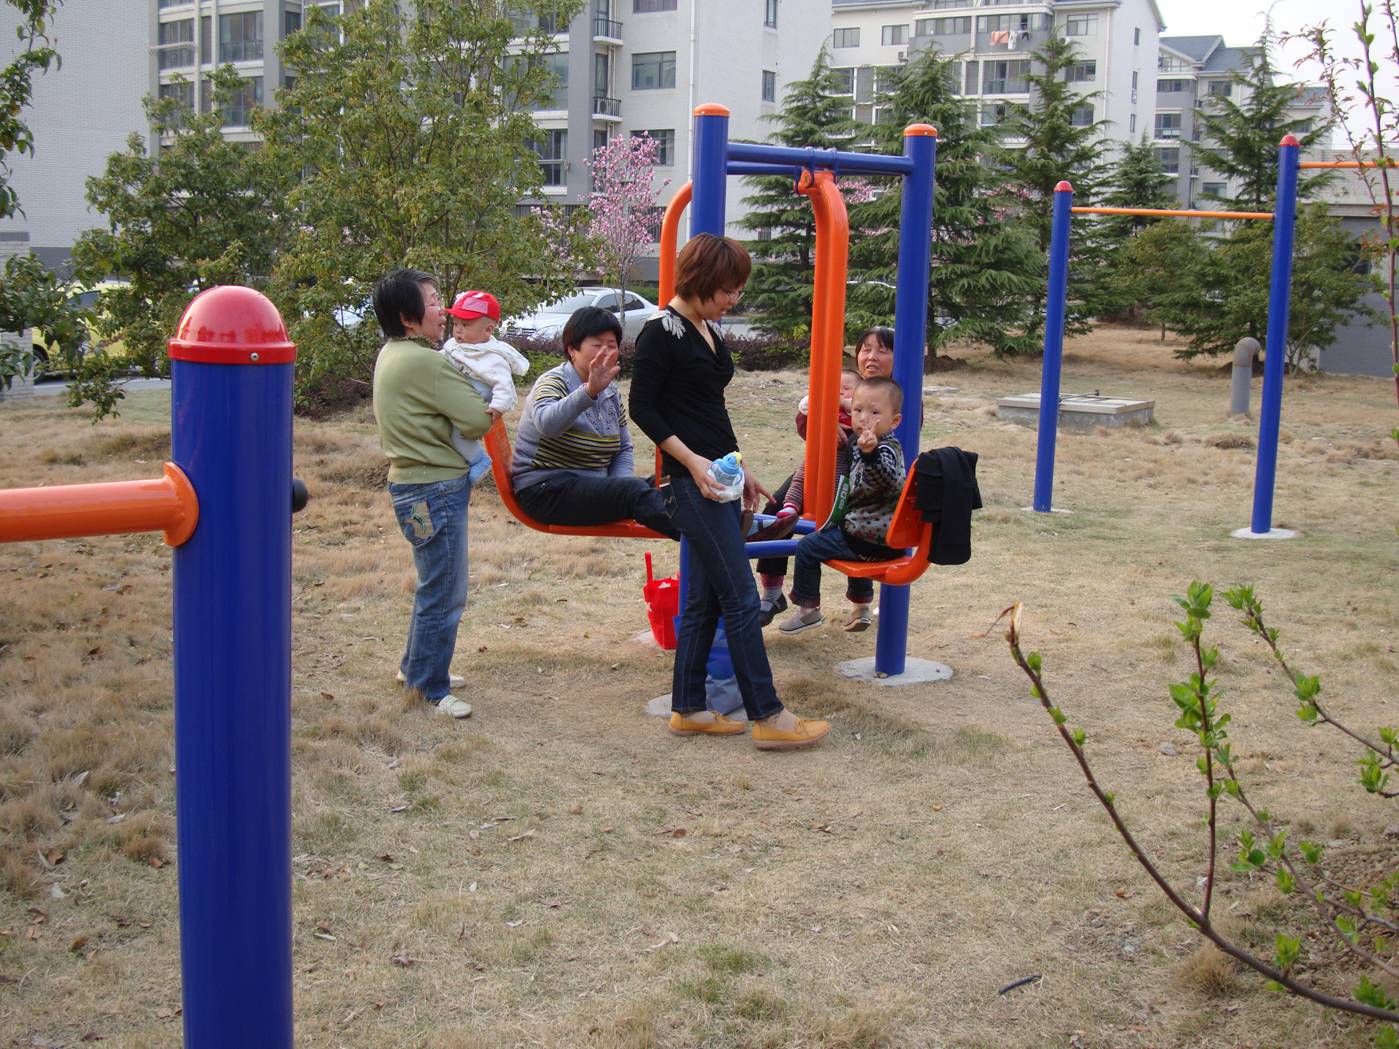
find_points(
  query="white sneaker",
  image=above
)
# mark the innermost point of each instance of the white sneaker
(453, 680)
(451, 706)
(802, 620)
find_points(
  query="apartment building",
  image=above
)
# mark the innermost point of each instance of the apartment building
(82, 111)
(639, 67)
(991, 41)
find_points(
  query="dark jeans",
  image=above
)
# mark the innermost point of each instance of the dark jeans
(832, 544)
(720, 583)
(432, 518)
(859, 591)
(584, 499)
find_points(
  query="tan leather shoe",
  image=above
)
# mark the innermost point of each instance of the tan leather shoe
(720, 726)
(805, 733)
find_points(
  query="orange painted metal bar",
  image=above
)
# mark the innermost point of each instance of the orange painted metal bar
(827, 336)
(1388, 162)
(670, 238)
(1175, 212)
(167, 504)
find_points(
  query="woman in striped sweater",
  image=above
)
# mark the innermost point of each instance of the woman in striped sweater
(573, 451)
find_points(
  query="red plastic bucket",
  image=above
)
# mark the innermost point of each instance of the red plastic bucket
(662, 604)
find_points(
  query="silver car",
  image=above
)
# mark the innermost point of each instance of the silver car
(548, 320)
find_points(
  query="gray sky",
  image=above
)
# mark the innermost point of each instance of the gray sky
(1241, 21)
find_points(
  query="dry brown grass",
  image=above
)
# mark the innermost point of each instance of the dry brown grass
(567, 875)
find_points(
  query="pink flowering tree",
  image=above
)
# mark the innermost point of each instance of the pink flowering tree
(624, 203)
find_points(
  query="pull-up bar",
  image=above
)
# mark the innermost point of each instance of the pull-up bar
(787, 170)
(1174, 212)
(1270, 411)
(1387, 162)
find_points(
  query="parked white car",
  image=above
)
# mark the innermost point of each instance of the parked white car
(548, 320)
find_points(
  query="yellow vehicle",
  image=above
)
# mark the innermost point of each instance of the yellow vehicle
(51, 358)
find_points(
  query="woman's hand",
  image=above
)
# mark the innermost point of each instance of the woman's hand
(752, 491)
(708, 487)
(601, 371)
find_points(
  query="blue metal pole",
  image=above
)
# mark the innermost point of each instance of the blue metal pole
(1275, 350)
(1053, 347)
(823, 159)
(231, 411)
(709, 180)
(910, 338)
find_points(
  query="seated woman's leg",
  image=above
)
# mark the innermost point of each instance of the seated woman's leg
(719, 563)
(579, 500)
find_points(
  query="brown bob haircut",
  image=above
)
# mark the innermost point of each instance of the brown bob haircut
(708, 265)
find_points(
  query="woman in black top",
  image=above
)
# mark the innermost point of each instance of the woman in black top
(677, 398)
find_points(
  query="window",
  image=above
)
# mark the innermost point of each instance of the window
(1220, 88)
(1022, 23)
(885, 77)
(1005, 78)
(1213, 189)
(1137, 37)
(845, 38)
(996, 113)
(971, 80)
(183, 93)
(1168, 125)
(1081, 73)
(238, 110)
(893, 35)
(1172, 64)
(550, 146)
(665, 142)
(1132, 124)
(942, 5)
(1081, 25)
(643, 7)
(1170, 87)
(176, 44)
(959, 26)
(770, 14)
(172, 3)
(557, 66)
(602, 74)
(843, 80)
(1082, 115)
(1134, 85)
(240, 37)
(291, 22)
(652, 69)
(1169, 159)
(769, 86)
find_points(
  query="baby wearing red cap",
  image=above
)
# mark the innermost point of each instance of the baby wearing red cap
(488, 362)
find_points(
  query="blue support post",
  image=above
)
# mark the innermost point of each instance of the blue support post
(231, 411)
(1053, 347)
(910, 338)
(1275, 351)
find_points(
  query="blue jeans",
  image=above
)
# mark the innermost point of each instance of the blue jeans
(720, 582)
(585, 499)
(432, 518)
(833, 544)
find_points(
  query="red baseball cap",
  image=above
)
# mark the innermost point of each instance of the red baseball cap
(472, 304)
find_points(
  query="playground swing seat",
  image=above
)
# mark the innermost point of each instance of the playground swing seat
(907, 529)
(497, 443)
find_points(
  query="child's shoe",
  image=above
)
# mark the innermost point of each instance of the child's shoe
(781, 526)
(801, 620)
(478, 468)
(768, 608)
(859, 619)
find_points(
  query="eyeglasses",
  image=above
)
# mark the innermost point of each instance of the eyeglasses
(734, 297)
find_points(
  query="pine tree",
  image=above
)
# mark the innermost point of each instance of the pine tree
(1057, 146)
(1138, 180)
(780, 287)
(1239, 134)
(984, 269)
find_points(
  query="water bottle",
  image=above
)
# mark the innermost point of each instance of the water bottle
(727, 473)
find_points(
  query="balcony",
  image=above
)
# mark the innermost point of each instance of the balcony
(607, 108)
(607, 31)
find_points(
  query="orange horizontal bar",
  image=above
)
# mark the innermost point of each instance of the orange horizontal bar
(167, 504)
(1388, 162)
(1176, 212)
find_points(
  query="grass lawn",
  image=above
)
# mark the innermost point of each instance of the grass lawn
(558, 871)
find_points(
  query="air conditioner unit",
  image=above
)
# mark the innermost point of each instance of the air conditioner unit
(903, 56)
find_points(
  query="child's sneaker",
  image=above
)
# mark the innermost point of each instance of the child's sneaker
(800, 620)
(769, 608)
(782, 525)
(859, 619)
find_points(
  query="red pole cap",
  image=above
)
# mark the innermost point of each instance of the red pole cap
(711, 109)
(1289, 140)
(232, 325)
(1064, 187)
(920, 130)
